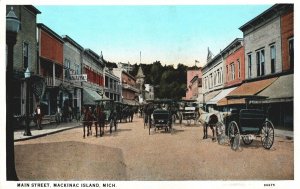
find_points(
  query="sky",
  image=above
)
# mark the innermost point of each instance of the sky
(168, 33)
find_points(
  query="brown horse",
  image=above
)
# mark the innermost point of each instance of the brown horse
(100, 116)
(87, 121)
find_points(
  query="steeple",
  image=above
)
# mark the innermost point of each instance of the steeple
(140, 78)
(140, 73)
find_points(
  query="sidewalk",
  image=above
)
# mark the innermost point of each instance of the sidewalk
(47, 129)
(283, 133)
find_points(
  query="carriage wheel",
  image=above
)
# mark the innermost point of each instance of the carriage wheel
(234, 135)
(247, 140)
(267, 132)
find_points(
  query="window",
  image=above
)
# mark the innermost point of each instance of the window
(232, 70)
(291, 53)
(215, 78)
(249, 65)
(221, 74)
(77, 69)
(273, 57)
(239, 68)
(260, 62)
(211, 80)
(25, 55)
(227, 73)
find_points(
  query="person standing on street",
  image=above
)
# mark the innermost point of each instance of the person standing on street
(38, 114)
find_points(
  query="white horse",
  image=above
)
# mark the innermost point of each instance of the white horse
(212, 119)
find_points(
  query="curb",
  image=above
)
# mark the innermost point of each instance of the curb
(45, 134)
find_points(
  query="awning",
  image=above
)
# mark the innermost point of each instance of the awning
(221, 95)
(130, 102)
(210, 95)
(245, 90)
(281, 90)
(90, 96)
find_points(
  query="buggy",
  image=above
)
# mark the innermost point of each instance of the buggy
(249, 124)
(161, 116)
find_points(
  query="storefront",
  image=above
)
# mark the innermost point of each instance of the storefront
(279, 102)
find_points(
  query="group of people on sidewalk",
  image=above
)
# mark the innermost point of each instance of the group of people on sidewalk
(65, 115)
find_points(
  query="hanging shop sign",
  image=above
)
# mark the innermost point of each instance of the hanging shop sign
(80, 77)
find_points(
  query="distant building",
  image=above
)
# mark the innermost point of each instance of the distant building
(126, 66)
(149, 94)
(191, 73)
(129, 93)
(93, 67)
(112, 87)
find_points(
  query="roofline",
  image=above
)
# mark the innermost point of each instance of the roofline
(220, 54)
(268, 11)
(70, 40)
(94, 55)
(47, 29)
(232, 44)
(32, 9)
(123, 71)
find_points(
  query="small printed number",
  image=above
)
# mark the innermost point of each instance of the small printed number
(268, 185)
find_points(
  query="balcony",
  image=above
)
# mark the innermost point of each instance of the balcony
(129, 87)
(51, 83)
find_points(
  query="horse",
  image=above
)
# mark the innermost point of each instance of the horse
(209, 120)
(100, 118)
(87, 121)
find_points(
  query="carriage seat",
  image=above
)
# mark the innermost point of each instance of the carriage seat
(251, 120)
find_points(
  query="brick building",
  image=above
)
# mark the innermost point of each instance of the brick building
(287, 39)
(234, 72)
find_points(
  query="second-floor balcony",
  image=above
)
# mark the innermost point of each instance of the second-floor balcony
(53, 82)
(129, 87)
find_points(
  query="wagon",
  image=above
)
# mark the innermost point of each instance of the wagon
(188, 111)
(161, 117)
(249, 124)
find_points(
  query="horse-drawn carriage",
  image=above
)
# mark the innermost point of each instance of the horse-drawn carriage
(249, 124)
(109, 108)
(244, 123)
(160, 112)
(188, 111)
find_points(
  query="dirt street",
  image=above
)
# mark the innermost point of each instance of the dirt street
(132, 154)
